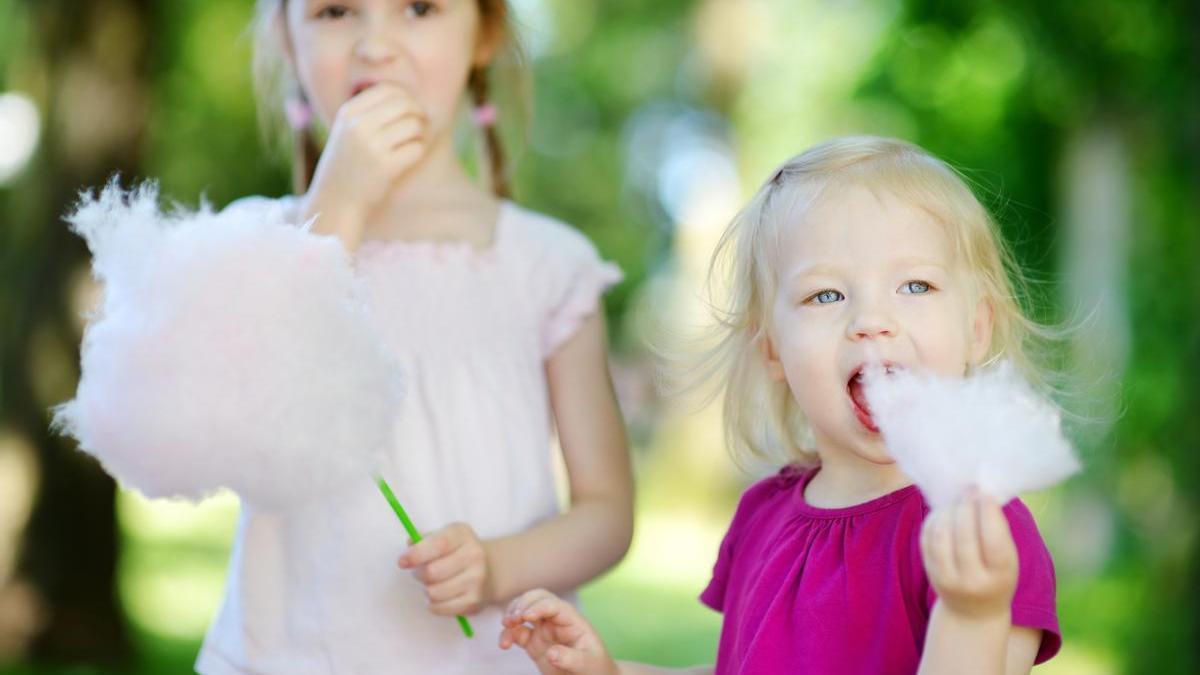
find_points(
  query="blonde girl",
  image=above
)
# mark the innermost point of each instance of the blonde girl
(855, 252)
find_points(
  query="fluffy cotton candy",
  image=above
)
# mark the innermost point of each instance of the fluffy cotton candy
(990, 430)
(232, 350)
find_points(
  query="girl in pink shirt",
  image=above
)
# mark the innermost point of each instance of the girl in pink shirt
(493, 311)
(859, 250)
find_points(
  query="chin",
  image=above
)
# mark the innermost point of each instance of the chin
(874, 451)
(876, 459)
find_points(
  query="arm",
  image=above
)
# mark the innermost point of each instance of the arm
(341, 220)
(594, 534)
(957, 644)
(559, 640)
(376, 137)
(971, 559)
(629, 668)
(463, 574)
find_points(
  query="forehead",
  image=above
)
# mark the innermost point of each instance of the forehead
(857, 224)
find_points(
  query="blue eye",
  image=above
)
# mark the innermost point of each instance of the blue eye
(420, 9)
(333, 12)
(826, 296)
(915, 287)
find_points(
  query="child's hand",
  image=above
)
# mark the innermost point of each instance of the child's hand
(375, 138)
(970, 557)
(453, 565)
(555, 636)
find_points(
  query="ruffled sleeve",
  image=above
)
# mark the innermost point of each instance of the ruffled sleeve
(750, 504)
(574, 279)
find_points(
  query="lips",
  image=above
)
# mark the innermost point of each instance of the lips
(361, 86)
(858, 396)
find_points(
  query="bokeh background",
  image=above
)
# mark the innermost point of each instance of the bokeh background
(1078, 122)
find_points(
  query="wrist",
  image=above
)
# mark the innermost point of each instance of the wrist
(494, 584)
(333, 217)
(972, 622)
(976, 614)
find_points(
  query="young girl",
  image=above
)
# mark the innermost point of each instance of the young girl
(493, 312)
(858, 251)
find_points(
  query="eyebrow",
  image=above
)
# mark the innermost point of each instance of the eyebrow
(831, 269)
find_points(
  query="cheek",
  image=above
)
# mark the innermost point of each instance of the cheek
(323, 76)
(942, 341)
(808, 353)
(442, 70)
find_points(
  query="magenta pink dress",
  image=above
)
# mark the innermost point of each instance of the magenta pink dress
(832, 591)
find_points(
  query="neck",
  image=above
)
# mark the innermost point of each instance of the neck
(846, 480)
(439, 178)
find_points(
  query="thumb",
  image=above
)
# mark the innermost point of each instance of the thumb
(566, 658)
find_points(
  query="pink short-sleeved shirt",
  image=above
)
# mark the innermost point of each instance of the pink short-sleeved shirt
(831, 591)
(317, 591)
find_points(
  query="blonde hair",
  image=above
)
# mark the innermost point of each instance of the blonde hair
(274, 83)
(762, 419)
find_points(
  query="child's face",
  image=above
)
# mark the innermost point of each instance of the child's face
(865, 277)
(426, 47)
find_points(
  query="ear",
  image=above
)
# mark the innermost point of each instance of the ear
(981, 331)
(770, 356)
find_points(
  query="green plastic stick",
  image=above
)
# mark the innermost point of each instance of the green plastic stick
(415, 536)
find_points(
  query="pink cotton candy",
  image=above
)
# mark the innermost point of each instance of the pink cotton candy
(232, 350)
(990, 430)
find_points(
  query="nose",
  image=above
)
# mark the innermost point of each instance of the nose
(376, 43)
(871, 322)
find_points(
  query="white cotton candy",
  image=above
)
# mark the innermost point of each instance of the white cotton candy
(232, 350)
(990, 430)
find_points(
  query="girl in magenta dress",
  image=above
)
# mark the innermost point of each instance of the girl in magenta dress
(856, 252)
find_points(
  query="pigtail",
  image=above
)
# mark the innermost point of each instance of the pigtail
(485, 120)
(305, 154)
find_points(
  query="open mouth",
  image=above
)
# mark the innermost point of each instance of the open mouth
(858, 397)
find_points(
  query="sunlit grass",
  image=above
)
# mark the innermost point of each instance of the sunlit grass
(172, 567)
(647, 608)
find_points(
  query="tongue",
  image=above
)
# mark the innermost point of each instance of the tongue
(859, 396)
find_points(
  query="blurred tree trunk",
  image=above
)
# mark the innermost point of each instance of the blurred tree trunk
(86, 65)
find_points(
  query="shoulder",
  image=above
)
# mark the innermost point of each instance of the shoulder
(546, 235)
(1025, 530)
(767, 490)
(1036, 574)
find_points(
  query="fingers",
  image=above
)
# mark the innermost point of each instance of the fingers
(566, 658)
(460, 594)
(452, 564)
(548, 608)
(381, 95)
(465, 582)
(541, 606)
(449, 566)
(998, 548)
(937, 544)
(403, 129)
(560, 656)
(515, 635)
(970, 556)
(432, 547)
(968, 561)
(517, 607)
(383, 114)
